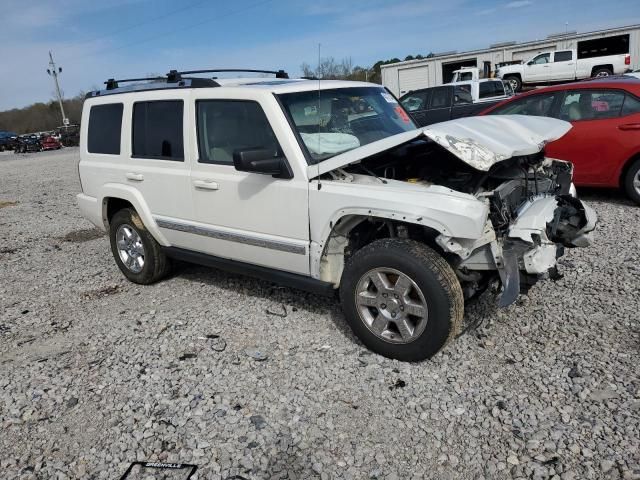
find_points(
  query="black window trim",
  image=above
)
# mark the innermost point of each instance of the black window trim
(158, 157)
(238, 100)
(89, 124)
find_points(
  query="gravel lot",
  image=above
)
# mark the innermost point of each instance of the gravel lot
(248, 380)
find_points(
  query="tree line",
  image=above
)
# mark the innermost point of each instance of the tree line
(41, 117)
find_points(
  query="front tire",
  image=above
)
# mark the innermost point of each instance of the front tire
(401, 299)
(632, 182)
(515, 82)
(137, 254)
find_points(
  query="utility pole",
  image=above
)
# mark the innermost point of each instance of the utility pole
(53, 71)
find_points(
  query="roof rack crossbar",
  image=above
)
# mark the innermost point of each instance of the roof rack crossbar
(277, 73)
(113, 83)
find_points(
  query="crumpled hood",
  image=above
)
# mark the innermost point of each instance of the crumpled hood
(478, 141)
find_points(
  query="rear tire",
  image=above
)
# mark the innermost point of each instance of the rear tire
(601, 72)
(515, 82)
(632, 181)
(138, 255)
(401, 299)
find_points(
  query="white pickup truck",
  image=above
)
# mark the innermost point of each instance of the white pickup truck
(562, 66)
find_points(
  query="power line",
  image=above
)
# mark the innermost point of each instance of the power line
(175, 30)
(149, 20)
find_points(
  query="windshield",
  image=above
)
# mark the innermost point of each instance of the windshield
(330, 122)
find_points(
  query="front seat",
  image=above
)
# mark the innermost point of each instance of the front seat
(575, 112)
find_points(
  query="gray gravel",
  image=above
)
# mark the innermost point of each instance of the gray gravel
(205, 367)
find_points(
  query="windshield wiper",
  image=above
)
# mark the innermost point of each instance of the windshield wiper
(371, 173)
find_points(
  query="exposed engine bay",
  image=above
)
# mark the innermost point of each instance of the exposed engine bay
(532, 212)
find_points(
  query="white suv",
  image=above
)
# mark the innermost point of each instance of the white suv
(326, 186)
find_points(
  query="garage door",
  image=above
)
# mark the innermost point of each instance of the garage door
(529, 54)
(413, 78)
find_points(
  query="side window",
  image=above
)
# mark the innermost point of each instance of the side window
(225, 126)
(631, 105)
(415, 101)
(591, 105)
(539, 105)
(541, 59)
(565, 56)
(462, 95)
(440, 97)
(491, 89)
(105, 125)
(157, 130)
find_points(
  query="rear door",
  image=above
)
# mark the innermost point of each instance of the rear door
(439, 105)
(594, 142)
(564, 65)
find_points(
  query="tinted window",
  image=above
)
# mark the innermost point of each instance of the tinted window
(539, 105)
(415, 101)
(491, 89)
(591, 105)
(157, 130)
(562, 56)
(462, 95)
(631, 105)
(225, 126)
(105, 124)
(440, 97)
(540, 59)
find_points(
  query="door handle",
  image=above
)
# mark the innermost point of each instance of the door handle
(206, 184)
(136, 177)
(629, 126)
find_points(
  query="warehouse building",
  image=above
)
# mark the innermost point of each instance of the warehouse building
(403, 77)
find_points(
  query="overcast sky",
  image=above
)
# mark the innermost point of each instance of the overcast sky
(95, 40)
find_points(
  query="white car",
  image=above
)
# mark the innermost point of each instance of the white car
(562, 66)
(327, 186)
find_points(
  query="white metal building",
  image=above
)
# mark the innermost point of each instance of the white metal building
(403, 77)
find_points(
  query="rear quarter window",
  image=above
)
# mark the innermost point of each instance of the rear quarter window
(105, 127)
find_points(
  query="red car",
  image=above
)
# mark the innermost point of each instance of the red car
(604, 143)
(50, 143)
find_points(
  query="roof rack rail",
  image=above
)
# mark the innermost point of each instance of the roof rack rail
(175, 76)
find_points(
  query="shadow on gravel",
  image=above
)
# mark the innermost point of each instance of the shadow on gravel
(80, 236)
(609, 195)
(286, 300)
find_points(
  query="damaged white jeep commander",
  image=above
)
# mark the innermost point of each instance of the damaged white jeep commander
(325, 186)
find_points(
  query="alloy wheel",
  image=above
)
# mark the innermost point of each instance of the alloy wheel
(130, 248)
(391, 305)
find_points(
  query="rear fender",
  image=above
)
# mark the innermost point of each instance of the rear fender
(134, 197)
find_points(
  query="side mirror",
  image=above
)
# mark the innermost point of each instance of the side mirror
(261, 160)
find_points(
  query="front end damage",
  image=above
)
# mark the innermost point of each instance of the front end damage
(533, 214)
(533, 218)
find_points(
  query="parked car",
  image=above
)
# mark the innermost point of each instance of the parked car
(604, 143)
(454, 100)
(562, 66)
(28, 143)
(7, 140)
(49, 142)
(325, 186)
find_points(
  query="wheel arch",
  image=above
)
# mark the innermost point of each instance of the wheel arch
(115, 197)
(598, 67)
(625, 168)
(329, 257)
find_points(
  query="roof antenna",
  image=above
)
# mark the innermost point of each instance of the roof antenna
(319, 116)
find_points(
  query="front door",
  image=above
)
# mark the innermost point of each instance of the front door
(538, 69)
(247, 217)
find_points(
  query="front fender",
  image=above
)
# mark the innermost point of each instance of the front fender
(135, 198)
